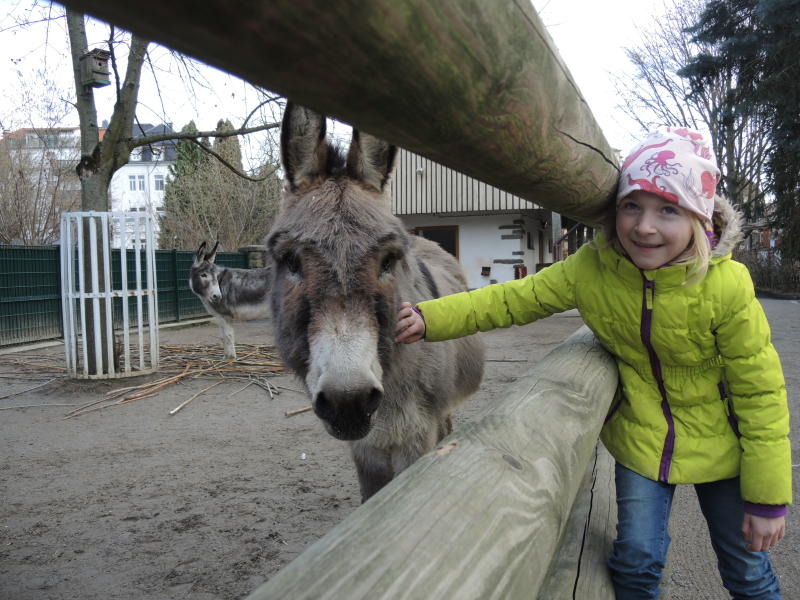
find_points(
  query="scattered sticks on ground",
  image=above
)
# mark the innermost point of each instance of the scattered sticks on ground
(291, 413)
(255, 365)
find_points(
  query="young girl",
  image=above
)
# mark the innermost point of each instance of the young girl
(703, 400)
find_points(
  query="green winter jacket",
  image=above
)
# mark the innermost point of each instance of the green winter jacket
(703, 397)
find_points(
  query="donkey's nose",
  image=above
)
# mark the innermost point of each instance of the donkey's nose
(216, 297)
(347, 412)
(331, 403)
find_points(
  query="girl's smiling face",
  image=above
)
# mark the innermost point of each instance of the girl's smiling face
(653, 231)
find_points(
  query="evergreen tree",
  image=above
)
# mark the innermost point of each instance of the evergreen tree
(761, 39)
(228, 148)
(189, 154)
(177, 200)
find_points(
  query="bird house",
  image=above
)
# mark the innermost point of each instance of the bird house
(94, 68)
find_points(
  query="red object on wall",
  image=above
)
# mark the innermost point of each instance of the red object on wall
(520, 271)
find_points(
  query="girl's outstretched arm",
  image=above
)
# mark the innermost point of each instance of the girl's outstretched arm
(410, 326)
(763, 533)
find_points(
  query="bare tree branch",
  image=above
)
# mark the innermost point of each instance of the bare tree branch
(113, 58)
(163, 137)
(229, 165)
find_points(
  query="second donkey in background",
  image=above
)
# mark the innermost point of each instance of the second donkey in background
(229, 294)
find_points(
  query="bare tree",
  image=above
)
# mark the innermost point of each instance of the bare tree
(657, 94)
(206, 200)
(37, 184)
(37, 163)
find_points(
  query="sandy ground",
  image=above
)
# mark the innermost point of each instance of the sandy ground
(130, 502)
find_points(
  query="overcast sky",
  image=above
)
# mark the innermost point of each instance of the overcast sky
(589, 35)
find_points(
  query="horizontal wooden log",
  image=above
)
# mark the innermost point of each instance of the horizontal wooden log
(578, 569)
(480, 517)
(476, 85)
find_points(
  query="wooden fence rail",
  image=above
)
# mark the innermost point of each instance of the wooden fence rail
(476, 85)
(492, 512)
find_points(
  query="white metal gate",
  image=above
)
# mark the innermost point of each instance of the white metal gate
(123, 321)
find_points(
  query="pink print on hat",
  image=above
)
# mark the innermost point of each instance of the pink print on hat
(676, 164)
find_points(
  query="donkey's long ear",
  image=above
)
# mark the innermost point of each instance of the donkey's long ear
(304, 147)
(370, 160)
(198, 256)
(213, 254)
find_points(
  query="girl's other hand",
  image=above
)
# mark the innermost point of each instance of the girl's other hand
(410, 326)
(763, 533)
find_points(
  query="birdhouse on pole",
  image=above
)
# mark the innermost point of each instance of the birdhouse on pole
(94, 68)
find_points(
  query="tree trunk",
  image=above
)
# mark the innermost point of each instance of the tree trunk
(99, 161)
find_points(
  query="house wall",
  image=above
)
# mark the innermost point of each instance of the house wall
(123, 198)
(149, 199)
(486, 239)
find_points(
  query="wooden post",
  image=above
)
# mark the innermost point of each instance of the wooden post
(476, 85)
(481, 517)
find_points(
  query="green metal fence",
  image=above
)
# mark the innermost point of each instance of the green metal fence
(30, 289)
(30, 293)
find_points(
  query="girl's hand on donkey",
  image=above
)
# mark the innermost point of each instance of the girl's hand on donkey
(763, 533)
(410, 326)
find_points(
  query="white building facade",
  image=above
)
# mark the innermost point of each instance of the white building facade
(495, 235)
(140, 184)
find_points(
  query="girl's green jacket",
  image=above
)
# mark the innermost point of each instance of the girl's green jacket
(703, 397)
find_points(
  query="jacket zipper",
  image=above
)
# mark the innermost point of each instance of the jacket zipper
(655, 364)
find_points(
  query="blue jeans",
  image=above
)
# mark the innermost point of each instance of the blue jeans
(640, 550)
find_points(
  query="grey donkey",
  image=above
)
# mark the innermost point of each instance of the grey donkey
(342, 265)
(229, 294)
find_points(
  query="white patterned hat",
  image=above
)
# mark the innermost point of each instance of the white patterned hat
(677, 164)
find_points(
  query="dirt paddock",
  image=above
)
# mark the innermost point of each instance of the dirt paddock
(130, 502)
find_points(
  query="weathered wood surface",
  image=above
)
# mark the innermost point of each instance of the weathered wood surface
(476, 85)
(578, 570)
(481, 517)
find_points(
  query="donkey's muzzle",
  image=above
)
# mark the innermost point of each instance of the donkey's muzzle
(347, 414)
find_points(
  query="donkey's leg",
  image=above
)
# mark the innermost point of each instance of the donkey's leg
(228, 342)
(373, 466)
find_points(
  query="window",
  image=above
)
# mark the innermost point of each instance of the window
(158, 182)
(446, 236)
(132, 183)
(140, 179)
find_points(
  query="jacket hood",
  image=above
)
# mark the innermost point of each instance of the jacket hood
(727, 227)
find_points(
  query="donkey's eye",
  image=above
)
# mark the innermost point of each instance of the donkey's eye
(387, 264)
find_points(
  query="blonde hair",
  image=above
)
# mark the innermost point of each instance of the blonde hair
(696, 256)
